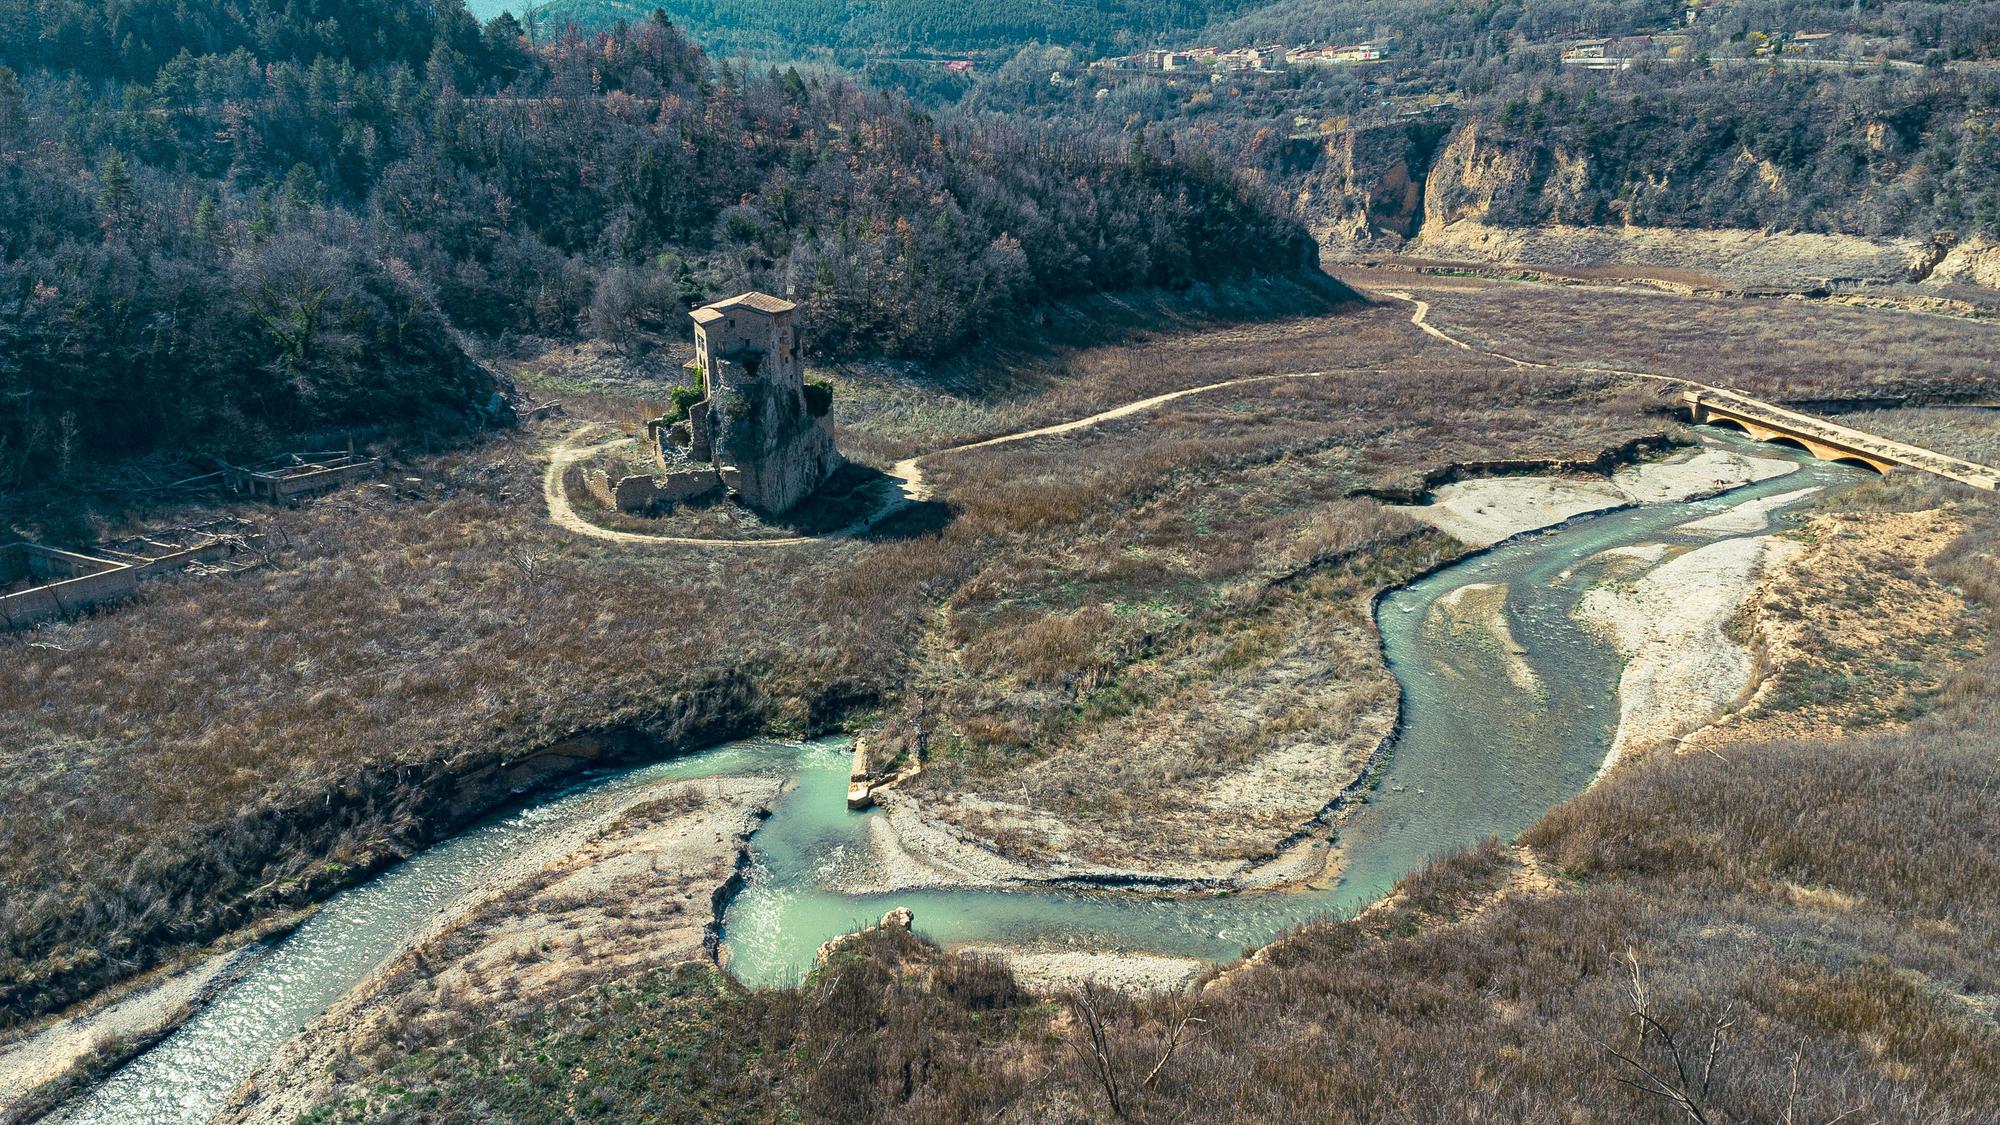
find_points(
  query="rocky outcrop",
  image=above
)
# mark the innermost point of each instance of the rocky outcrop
(773, 453)
(1975, 261)
(1367, 184)
(899, 919)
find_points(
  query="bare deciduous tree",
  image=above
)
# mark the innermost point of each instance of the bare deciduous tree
(1671, 1074)
(1174, 1034)
(1086, 1005)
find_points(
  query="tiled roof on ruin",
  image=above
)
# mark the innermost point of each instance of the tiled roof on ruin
(754, 302)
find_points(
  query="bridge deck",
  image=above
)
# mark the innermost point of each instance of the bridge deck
(1845, 438)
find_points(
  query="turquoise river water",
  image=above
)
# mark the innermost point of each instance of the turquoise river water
(1477, 755)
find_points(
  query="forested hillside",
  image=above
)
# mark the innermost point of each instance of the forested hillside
(847, 31)
(1958, 29)
(220, 221)
(1882, 157)
(1789, 115)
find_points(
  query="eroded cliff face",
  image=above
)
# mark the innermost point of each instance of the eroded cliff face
(1484, 175)
(1529, 177)
(1385, 184)
(1975, 261)
(1366, 185)
(1469, 191)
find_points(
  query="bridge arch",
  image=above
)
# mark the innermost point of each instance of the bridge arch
(1825, 440)
(1705, 413)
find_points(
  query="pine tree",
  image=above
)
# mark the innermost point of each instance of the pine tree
(13, 108)
(117, 197)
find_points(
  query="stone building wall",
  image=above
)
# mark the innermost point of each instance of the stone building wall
(754, 424)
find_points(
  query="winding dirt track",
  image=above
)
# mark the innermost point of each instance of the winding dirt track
(1914, 456)
(910, 486)
(908, 474)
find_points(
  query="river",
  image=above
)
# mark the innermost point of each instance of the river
(1482, 751)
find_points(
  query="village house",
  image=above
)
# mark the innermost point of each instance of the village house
(1329, 56)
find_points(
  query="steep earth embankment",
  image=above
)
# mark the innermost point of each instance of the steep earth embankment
(1860, 628)
(1473, 195)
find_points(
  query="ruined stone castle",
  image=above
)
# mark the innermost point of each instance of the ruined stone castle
(766, 434)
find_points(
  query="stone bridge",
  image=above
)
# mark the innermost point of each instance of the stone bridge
(1829, 441)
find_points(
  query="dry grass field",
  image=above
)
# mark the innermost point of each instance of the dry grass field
(224, 748)
(1773, 349)
(220, 750)
(1971, 432)
(1181, 600)
(1777, 931)
(1822, 912)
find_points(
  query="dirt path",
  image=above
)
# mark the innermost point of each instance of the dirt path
(911, 486)
(1917, 457)
(908, 474)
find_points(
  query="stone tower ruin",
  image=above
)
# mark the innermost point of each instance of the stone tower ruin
(769, 436)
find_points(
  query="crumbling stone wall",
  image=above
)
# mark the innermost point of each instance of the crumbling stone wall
(649, 493)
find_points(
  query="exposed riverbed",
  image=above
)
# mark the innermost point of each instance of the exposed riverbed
(1510, 706)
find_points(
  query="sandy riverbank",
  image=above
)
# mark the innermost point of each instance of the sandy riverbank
(1482, 512)
(911, 849)
(637, 890)
(1050, 971)
(1749, 517)
(144, 1013)
(1479, 611)
(1682, 670)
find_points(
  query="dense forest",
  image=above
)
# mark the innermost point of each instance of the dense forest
(850, 32)
(224, 221)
